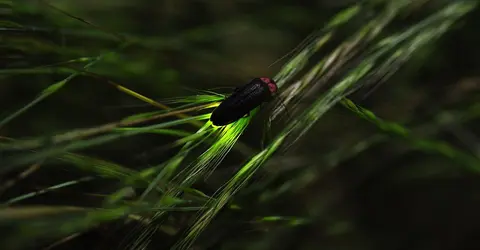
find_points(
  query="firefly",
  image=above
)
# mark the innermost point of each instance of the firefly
(243, 100)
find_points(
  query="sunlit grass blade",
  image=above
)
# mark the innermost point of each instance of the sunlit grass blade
(225, 193)
(169, 168)
(209, 160)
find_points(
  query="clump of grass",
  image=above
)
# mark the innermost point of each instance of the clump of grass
(367, 57)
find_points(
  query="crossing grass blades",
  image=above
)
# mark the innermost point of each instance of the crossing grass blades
(365, 58)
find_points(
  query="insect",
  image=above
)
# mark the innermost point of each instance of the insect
(243, 100)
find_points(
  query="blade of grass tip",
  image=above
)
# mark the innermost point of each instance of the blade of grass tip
(310, 45)
(365, 67)
(45, 190)
(434, 146)
(47, 92)
(404, 53)
(15, 161)
(330, 65)
(121, 38)
(348, 49)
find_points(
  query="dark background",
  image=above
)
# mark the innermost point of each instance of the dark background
(389, 196)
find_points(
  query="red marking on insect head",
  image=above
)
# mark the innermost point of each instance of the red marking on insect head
(265, 79)
(272, 87)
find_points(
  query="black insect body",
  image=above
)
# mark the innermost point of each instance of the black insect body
(243, 100)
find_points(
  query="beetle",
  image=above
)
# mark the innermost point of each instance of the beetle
(243, 100)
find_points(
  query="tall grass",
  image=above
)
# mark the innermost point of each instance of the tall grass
(366, 58)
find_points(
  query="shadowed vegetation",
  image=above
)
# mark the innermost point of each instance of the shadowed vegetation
(370, 143)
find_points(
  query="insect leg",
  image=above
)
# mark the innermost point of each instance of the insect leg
(286, 110)
(274, 114)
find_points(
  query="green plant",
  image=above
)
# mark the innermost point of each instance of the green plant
(368, 57)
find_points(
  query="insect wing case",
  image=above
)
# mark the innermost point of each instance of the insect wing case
(241, 102)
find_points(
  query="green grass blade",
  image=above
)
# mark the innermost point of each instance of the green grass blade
(100, 167)
(45, 190)
(298, 127)
(47, 92)
(427, 145)
(13, 162)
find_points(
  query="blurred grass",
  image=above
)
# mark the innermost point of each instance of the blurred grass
(324, 69)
